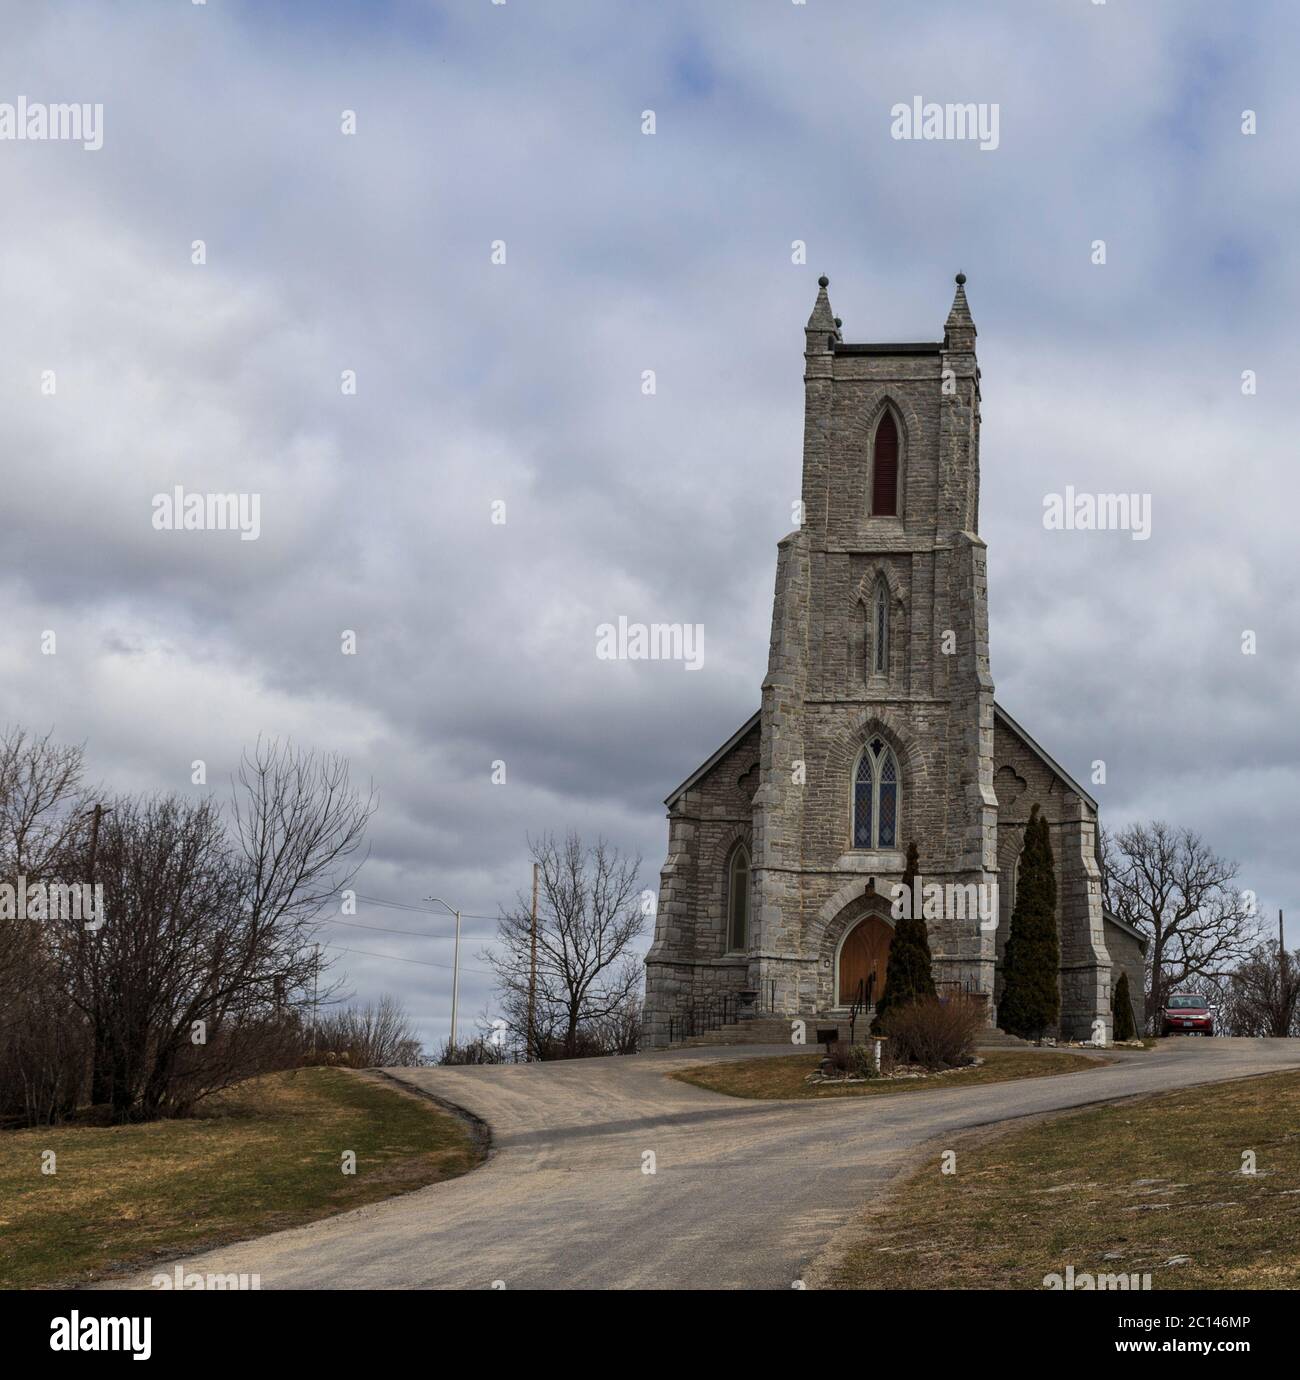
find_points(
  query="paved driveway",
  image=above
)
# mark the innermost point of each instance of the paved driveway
(744, 1194)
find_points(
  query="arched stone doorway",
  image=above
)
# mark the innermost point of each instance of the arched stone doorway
(864, 953)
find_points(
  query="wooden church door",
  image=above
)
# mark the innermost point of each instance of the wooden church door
(865, 951)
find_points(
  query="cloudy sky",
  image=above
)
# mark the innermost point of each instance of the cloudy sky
(521, 383)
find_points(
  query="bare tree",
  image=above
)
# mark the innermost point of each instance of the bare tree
(41, 814)
(41, 803)
(619, 1032)
(43, 1038)
(377, 1035)
(299, 825)
(206, 960)
(175, 964)
(588, 920)
(1262, 996)
(1174, 888)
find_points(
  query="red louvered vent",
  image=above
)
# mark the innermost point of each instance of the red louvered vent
(884, 472)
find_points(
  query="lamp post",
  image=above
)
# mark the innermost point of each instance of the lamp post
(455, 964)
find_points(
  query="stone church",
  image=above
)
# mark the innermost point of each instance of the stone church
(878, 728)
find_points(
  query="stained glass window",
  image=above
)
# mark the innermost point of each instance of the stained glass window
(863, 787)
(888, 811)
(876, 797)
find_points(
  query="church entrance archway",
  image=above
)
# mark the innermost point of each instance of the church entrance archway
(864, 952)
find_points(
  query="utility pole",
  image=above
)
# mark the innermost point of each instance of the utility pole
(315, 999)
(1281, 945)
(97, 814)
(532, 979)
(455, 972)
(455, 981)
(100, 1080)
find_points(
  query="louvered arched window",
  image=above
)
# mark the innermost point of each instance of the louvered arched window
(876, 791)
(884, 469)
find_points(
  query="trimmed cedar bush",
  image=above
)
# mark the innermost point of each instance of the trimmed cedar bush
(908, 978)
(935, 1034)
(1031, 999)
(1121, 1007)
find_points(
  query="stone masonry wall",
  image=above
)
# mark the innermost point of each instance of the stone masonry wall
(689, 960)
(1022, 779)
(1127, 954)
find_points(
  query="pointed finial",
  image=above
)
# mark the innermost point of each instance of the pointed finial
(959, 318)
(822, 318)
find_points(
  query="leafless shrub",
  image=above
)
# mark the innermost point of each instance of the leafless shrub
(857, 1061)
(937, 1034)
(479, 1050)
(377, 1035)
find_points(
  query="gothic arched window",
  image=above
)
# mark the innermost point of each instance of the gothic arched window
(738, 899)
(876, 791)
(880, 630)
(884, 469)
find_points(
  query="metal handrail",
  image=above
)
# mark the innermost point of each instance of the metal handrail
(699, 1017)
(861, 1001)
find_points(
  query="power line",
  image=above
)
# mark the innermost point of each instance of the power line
(384, 929)
(422, 910)
(397, 958)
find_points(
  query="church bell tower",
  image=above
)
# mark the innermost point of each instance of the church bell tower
(877, 718)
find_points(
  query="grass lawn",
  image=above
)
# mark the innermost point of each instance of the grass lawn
(1145, 1183)
(264, 1155)
(782, 1076)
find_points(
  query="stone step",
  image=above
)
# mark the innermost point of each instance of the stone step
(774, 1030)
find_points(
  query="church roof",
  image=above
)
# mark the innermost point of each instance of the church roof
(743, 731)
(750, 724)
(1043, 755)
(1111, 918)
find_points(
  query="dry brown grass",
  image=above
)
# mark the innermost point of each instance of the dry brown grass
(782, 1076)
(1143, 1183)
(267, 1154)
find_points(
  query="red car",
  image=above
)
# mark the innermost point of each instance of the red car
(1186, 1014)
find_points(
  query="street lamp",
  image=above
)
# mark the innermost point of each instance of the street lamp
(455, 964)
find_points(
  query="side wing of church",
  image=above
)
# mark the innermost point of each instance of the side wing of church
(878, 728)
